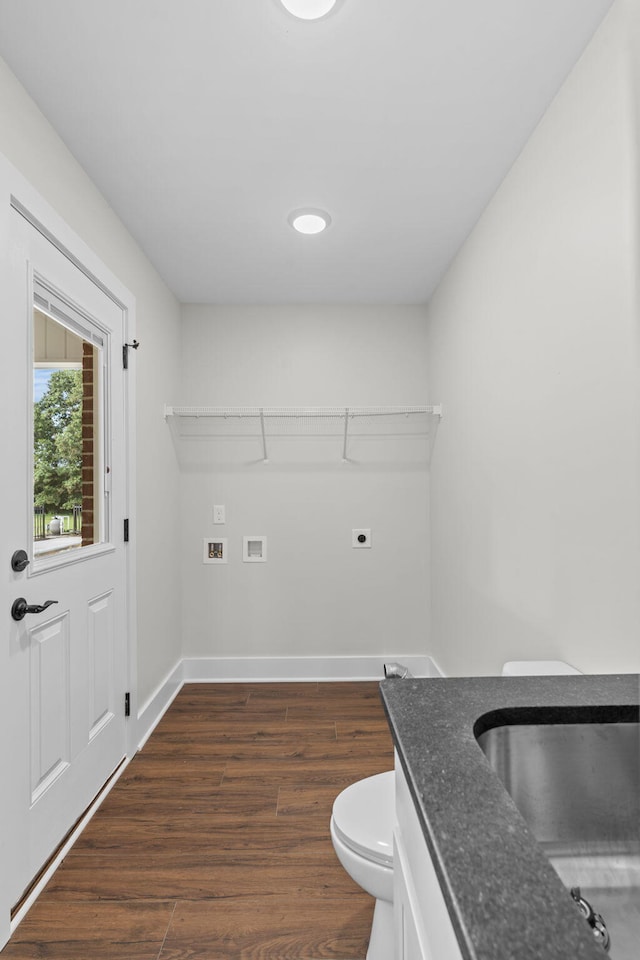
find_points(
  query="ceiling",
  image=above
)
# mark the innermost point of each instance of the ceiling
(206, 122)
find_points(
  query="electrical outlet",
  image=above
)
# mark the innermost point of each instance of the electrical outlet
(361, 539)
(219, 513)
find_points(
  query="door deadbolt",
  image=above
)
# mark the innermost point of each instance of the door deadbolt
(19, 561)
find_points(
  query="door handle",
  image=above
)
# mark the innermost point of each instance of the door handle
(20, 607)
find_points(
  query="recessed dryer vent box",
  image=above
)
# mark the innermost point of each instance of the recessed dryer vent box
(215, 550)
(254, 549)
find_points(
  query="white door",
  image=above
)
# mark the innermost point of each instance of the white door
(68, 664)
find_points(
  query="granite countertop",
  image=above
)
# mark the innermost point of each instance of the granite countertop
(505, 900)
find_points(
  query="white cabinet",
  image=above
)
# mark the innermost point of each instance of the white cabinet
(407, 943)
(423, 929)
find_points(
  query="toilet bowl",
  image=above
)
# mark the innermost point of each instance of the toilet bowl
(362, 835)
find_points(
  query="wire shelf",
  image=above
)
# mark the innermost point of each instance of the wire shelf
(286, 412)
(265, 422)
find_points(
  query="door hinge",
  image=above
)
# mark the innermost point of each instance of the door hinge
(126, 530)
(127, 704)
(125, 353)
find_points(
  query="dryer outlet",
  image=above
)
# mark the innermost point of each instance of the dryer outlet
(361, 538)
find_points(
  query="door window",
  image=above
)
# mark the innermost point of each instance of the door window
(69, 510)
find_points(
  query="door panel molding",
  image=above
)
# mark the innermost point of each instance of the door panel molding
(100, 642)
(49, 716)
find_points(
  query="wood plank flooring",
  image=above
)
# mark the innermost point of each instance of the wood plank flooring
(215, 841)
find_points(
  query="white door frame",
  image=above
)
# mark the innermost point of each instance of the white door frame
(16, 192)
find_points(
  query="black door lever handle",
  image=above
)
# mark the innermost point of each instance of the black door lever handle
(21, 608)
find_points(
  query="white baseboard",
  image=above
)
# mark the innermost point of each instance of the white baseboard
(152, 712)
(265, 669)
(257, 669)
(435, 669)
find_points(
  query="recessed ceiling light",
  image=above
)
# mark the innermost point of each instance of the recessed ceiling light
(308, 9)
(309, 221)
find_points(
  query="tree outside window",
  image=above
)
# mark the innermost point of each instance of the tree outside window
(58, 443)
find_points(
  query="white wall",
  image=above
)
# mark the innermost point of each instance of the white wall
(31, 145)
(533, 349)
(315, 595)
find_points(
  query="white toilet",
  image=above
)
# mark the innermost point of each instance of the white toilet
(362, 834)
(537, 668)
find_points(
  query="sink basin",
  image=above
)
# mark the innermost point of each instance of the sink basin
(577, 786)
(574, 783)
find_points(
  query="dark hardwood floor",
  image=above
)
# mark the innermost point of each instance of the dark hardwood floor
(215, 841)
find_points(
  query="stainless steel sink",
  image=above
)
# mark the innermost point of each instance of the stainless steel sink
(572, 782)
(577, 786)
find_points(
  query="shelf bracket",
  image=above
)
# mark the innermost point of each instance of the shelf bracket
(264, 437)
(346, 432)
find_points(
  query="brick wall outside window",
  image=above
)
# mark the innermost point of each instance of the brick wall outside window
(88, 441)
